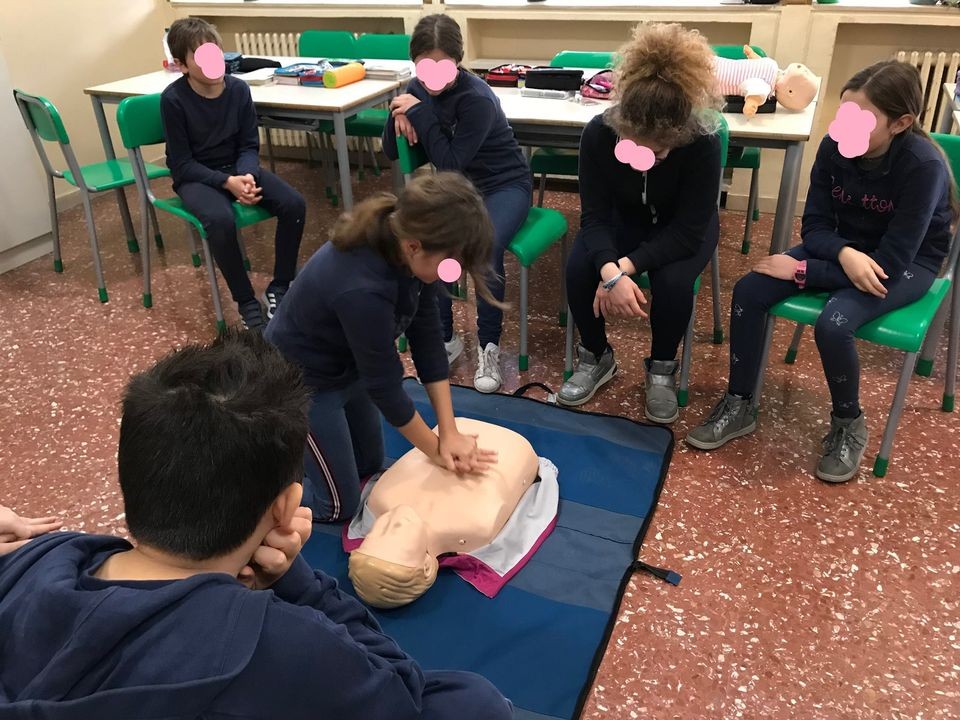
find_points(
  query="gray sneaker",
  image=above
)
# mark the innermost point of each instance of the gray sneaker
(730, 418)
(843, 449)
(589, 376)
(661, 391)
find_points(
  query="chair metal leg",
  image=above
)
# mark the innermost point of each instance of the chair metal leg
(524, 308)
(685, 357)
(794, 344)
(568, 348)
(54, 225)
(751, 209)
(243, 250)
(269, 136)
(373, 157)
(563, 280)
(214, 289)
(896, 409)
(145, 217)
(94, 245)
(310, 139)
(157, 238)
(928, 353)
(132, 244)
(715, 292)
(953, 345)
(764, 357)
(194, 248)
(543, 187)
(361, 148)
(330, 169)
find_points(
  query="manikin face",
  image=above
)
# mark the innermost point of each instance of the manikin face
(398, 536)
(886, 129)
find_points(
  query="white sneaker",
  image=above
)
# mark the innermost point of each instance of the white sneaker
(454, 348)
(487, 379)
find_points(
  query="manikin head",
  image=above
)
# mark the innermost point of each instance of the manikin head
(797, 87)
(393, 565)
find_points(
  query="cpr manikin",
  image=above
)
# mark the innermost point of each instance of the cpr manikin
(417, 517)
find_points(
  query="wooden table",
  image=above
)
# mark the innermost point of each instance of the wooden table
(293, 102)
(559, 123)
(952, 116)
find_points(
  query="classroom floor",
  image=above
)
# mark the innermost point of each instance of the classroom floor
(799, 599)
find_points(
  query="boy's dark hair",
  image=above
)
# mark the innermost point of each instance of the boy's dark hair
(437, 32)
(187, 34)
(210, 436)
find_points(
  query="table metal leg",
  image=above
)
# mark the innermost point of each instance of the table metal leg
(787, 201)
(343, 160)
(108, 150)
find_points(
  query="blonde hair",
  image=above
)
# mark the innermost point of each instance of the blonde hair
(383, 584)
(665, 86)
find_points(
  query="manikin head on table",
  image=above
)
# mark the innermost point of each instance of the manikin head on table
(423, 510)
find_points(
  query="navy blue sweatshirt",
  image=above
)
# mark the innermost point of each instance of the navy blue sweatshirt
(898, 212)
(464, 129)
(74, 647)
(341, 318)
(209, 139)
(664, 213)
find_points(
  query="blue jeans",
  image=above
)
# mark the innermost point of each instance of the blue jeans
(345, 444)
(508, 209)
(847, 310)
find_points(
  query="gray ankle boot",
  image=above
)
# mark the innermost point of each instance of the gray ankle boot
(843, 448)
(591, 374)
(661, 391)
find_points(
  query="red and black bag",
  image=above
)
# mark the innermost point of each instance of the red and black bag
(508, 75)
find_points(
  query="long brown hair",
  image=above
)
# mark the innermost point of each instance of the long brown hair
(664, 85)
(437, 32)
(443, 211)
(895, 89)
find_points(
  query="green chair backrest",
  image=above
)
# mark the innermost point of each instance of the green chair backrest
(328, 44)
(42, 117)
(735, 52)
(383, 47)
(140, 122)
(410, 156)
(723, 132)
(583, 59)
(951, 148)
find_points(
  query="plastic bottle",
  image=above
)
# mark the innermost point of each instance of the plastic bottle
(168, 63)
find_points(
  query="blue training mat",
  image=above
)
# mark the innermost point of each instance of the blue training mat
(542, 637)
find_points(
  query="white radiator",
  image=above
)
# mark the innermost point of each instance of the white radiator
(265, 44)
(935, 68)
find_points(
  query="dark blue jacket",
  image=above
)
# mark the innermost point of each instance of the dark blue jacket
(209, 139)
(898, 213)
(341, 318)
(74, 647)
(464, 129)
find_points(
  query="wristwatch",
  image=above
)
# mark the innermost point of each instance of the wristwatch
(800, 274)
(608, 285)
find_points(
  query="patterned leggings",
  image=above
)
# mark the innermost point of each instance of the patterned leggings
(846, 311)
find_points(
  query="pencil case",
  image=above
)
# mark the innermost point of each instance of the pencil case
(554, 79)
(343, 75)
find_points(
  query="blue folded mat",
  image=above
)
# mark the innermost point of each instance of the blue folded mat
(541, 639)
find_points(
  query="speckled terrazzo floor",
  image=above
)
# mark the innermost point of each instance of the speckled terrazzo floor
(799, 599)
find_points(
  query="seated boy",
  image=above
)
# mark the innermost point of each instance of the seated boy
(213, 148)
(213, 613)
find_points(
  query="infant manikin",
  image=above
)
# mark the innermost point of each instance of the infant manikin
(417, 517)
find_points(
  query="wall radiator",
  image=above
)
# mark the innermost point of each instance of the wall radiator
(935, 68)
(260, 44)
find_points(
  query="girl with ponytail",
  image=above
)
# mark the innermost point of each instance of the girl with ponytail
(658, 216)
(875, 231)
(375, 280)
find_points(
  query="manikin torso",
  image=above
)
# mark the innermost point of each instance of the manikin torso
(423, 508)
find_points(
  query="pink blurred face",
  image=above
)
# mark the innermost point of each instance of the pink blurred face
(886, 129)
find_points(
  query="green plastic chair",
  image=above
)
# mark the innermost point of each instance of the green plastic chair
(744, 158)
(368, 124)
(564, 161)
(44, 123)
(539, 232)
(902, 329)
(643, 281)
(328, 45)
(140, 124)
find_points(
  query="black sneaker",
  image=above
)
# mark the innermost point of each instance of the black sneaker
(273, 297)
(251, 315)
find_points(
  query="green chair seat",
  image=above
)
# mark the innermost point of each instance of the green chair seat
(367, 123)
(643, 281)
(903, 328)
(112, 174)
(542, 228)
(245, 215)
(743, 158)
(555, 161)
